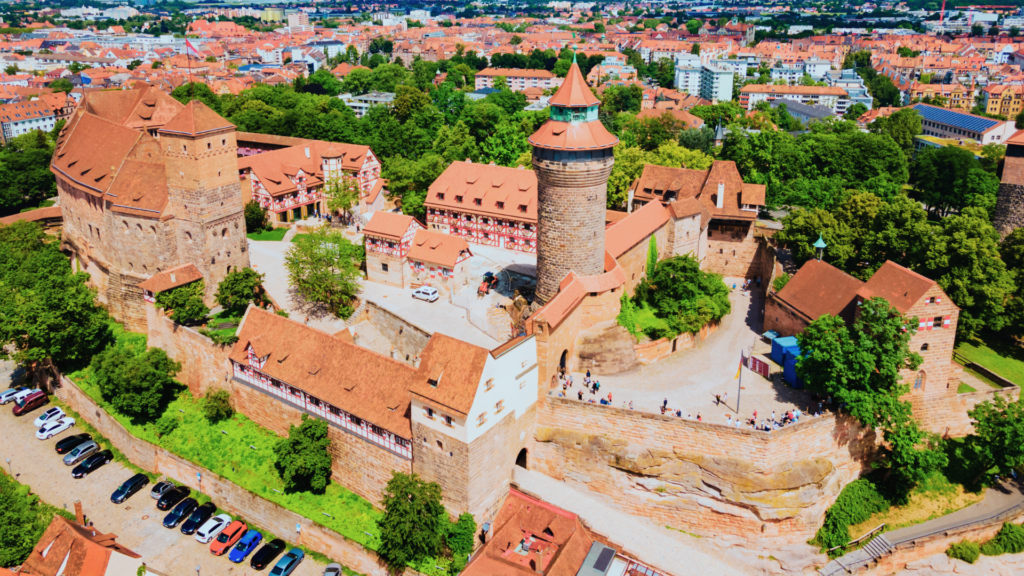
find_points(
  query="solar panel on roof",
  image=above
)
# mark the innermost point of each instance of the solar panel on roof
(957, 119)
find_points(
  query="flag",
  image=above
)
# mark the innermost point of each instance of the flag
(192, 50)
(739, 368)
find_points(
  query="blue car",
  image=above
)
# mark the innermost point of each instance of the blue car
(286, 565)
(245, 546)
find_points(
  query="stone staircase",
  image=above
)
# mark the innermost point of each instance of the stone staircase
(357, 315)
(858, 559)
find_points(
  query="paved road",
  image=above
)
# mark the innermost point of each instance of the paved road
(997, 499)
(675, 553)
(137, 522)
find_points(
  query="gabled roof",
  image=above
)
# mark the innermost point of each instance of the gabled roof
(819, 288)
(636, 227)
(389, 225)
(359, 381)
(502, 192)
(574, 91)
(450, 373)
(71, 549)
(168, 279)
(145, 107)
(80, 158)
(195, 119)
(437, 248)
(901, 287)
(140, 188)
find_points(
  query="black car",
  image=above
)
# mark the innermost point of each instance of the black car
(180, 512)
(68, 444)
(172, 497)
(130, 486)
(92, 463)
(198, 518)
(266, 555)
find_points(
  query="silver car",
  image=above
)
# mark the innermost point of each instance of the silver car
(332, 570)
(8, 395)
(81, 452)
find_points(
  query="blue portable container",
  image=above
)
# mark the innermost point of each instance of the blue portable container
(779, 347)
(789, 373)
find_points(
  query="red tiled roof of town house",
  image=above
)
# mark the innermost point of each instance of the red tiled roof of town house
(323, 366)
(71, 549)
(388, 225)
(78, 158)
(819, 288)
(574, 91)
(437, 248)
(32, 215)
(688, 120)
(449, 373)
(524, 73)
(556, 542)
(273, 168)
(1017, 138)
(640, 224)
(773, 89)
(901, 287)
(196, 118)
(178, 276)
(139, 189)
(501, 191)
(613, 216)
(343, 69)
(688, 207)
(670, 184)
(573, 288)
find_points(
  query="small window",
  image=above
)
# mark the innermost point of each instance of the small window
(184, 148)
(432, 382)
(924, 347)
(209, 145)
(448, 420)
(383, 267)
(430, 413)
(500, 205)
(223, 142)
(499, 406)
(481, 419)
(522, 207)
(458, 199)
(489, 384)
(478, 201)
(440, 195)
(938, 322)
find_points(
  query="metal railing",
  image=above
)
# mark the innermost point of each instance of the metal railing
(858, 540)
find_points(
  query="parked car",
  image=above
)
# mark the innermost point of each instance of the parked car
(81, 452)
(426, 293)
(54, 427)
(172, 497)
(66, 445)
(265, 556)
(159, 489)
(29, 403)
(8, 395)
(23, 392)
(198, 517)
(286, 565)
(228, 537)
(332, 570)
(245, 546)
(49, 415)
(212, 528)
(92, 464)
(180, 512)
(129, 487)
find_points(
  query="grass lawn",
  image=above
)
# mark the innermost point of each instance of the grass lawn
(299, 237)
(996, 353)
(223, 317)
(934, 497)
(275, 235)
(964, 389)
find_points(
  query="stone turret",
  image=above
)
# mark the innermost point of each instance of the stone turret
(572, 156)
(1009, 213)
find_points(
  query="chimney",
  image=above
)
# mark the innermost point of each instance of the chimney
(720, 199)
(173, 279)
(416, 362)
(79, 514)
(307, 151)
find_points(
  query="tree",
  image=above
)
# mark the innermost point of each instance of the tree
(652, 256)
(413, 525)
(135, 384)
(856, 111)
(1014, 31)
(516, 40)
(693, 26)
(993, 31)
(304, 457)
(950, 178)
(460, 541)
(902, 126)
(629, 165)
(323, 82)
(255, 217)
(358, 81)
(217, 405)
(342, 194)
(196, 91)
(62, 85)
(977, 30)
(455, 143)
(324, 268)
(884, 91)
(505, 146)
(410, 179)
(185, 303)
(695, 49)
(239, 288)
(998, 438)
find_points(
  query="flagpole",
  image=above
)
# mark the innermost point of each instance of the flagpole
(739, 388)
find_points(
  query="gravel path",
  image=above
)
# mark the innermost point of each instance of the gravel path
(137, 523)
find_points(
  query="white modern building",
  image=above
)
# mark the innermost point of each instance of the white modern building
(709, 81)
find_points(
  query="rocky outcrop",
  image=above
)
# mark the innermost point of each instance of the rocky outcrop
(606, 348)
(792, 489)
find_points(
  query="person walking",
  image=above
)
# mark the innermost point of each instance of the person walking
(665, 403)
(718, 399)
(581, 395)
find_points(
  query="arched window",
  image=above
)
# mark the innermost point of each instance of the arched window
(919, 381)
(924, 347)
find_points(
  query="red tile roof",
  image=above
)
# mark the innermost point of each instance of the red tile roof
(514, 72)
(569, 136)
(633, 229)
(901, 287)
(438, 248)
(671, 184)
(322, 366)
(195, 119)
(177, 276)
(389, 225)
(450, 373)
(502, 192)
(274, 167)
(819, 288)
(69, 548)
(32, 215)
(688, 120)
(574, 91)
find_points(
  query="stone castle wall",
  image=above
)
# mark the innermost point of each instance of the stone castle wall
(1009, 214)
(634, 260)
(571, 205)
(734, 257)
(227, 495)
(700, 477)
(409, 339)
(920, 548)
(946, 414)
(204, 365)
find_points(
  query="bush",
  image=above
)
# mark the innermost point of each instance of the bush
(856, 503)
(414, 525)
(967, 551)
(167, 424)
(239, 288)
(255, 218)
(217, 406)
(23, 518)
(136, 385)
(304, 458)
(780, 281)
(282, 313)
(1011, 538)
(185, 302)
(992, 548)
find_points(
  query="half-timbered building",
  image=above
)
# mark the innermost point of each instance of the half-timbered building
(400, 252)
(289, 182)
(387, 239)
(485, 204)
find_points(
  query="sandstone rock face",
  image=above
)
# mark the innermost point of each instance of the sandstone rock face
(606, 348)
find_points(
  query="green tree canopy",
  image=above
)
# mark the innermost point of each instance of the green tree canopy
(138, 385)
(185, 303)
(998, 438)
(304, 457)
(902, 126)
(324, 268)
(239, 288)
(414, 524)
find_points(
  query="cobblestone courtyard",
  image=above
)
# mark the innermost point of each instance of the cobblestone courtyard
(690, 379)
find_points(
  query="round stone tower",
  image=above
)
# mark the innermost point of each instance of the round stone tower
(572, 156)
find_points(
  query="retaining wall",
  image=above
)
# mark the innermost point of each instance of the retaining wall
(908, 552)
(651, 352)
(408, 338)
(203, 363)
(227, 495)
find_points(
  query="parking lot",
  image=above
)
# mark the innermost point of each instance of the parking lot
(137, 523)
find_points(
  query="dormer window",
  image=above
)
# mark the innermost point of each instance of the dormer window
(432, 382)
(522, 207)
(440, 195)
(478, 201)
(458, 199)
(500, 205)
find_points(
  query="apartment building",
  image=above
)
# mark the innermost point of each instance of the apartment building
(709, 81)
(945, 123)
(518, 80)
(1003, 100)
(833, 98)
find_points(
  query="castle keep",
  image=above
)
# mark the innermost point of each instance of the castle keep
(160, 192)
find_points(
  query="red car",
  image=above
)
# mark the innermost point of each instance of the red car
(227, 538)
(29, 403)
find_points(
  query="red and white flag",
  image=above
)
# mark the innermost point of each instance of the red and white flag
(192, 50)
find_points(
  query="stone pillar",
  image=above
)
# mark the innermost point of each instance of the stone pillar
(1009, 214)
(571, 201)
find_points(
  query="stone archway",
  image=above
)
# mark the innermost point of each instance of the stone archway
(562, 361)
